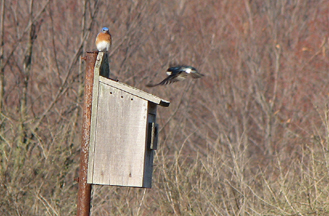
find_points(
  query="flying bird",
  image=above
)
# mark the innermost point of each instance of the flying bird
(178, 73)
(104, 40)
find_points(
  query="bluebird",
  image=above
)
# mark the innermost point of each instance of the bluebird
(178, 73)
(104, 40)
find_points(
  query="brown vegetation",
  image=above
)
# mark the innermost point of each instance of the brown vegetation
(249, 138)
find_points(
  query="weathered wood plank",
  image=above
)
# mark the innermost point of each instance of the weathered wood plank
(97, 71)
(101, 68)
(149, 154)
(135, 91)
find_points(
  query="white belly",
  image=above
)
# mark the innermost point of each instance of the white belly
(103, 46)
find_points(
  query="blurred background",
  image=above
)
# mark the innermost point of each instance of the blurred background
(249, 138)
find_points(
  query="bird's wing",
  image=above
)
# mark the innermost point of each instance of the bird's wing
(196, 75)
(174, 68)
(168, 80)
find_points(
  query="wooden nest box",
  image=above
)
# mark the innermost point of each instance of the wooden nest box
(123, 133)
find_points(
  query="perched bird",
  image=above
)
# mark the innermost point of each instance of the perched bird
(104, 40)
(178, 73)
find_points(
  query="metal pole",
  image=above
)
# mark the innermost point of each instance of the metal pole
(84, 188)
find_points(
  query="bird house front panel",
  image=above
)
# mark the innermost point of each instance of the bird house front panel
(118, 151)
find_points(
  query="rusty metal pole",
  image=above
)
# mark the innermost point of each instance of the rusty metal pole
(84, 188)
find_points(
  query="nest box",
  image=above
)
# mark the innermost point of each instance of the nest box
(123, 133)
